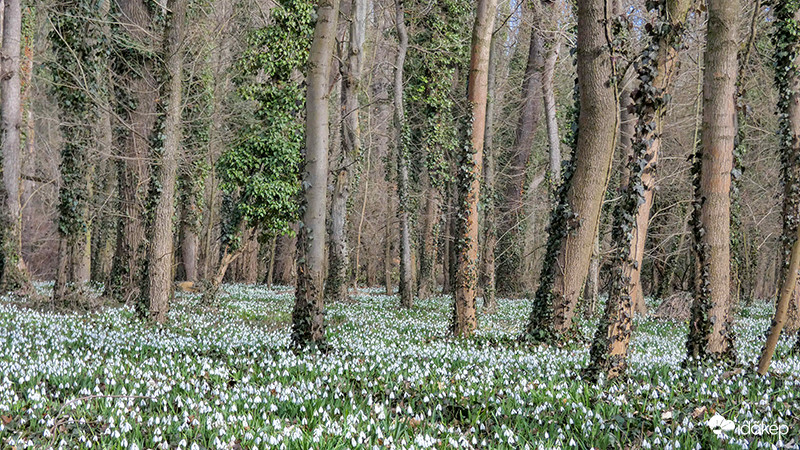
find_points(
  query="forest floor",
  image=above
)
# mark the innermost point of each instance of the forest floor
(222, 377)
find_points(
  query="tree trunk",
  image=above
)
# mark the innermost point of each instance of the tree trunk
(710, 328)
(570, 240)
(406, 268)
(426, 283)
(129, 255)
(160, 235)
(13, 275)
(509, 271)
(469, 173)
(490, 224)
(591, 292)
(339, 261)
(610, 347)
(552, 49)
(308, 327)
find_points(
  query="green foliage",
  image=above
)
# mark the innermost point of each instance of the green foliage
(260, 170)
(79, 49)
(439, 52)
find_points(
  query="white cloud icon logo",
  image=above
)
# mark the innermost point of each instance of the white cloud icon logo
(719, 424)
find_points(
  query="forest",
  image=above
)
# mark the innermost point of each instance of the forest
(326, 224)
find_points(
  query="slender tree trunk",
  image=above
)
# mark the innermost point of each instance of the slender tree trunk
(489, 224)
(552, 49)
(571, 238)
(161, 234)
(406, 268)
(388, 254)
(339, 260)
(509, 271)
(426, 282)
(710, 328)
(469, 174)
(781, 308)
(13, 276)
(308, 327)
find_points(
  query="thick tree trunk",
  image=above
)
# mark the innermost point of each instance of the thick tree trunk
(13, 275)
(161, 234)
(710, 328)
(563, 278)
(469, 174)
(103, 232)
(406, 267)
(134, 174)
(510, 231)
(308, 327)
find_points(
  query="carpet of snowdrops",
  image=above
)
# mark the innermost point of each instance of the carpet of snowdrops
(222, 378)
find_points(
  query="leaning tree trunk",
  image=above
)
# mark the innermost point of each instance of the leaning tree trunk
(575, 222)
(509, 269)
(710, 327)
(469, 174)
(406, 267)
(13, 276)
(656, 72)
(158, 284)
(787, 79)
(308, 327)
(662, 80)
(339, 259)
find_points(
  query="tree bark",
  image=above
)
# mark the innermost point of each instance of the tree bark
(552, 49)
(710, 327)
(129, 256)
(490, 224)
(469, 174)
(562, 281)
(610, 347)
(13, 275)
(160, 235)
(338, 281)
(426, 282)
(406, 267)
(512, 216)
(308, 327)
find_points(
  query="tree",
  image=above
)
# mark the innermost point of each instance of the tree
(308, 327)
(512, 211)
(655, 73)
(339, 260)
(575, 218)
(710, 327)
(406, 269)
(469, 173)
(158, 282)
(787, 80)
(78, 74)
(136, 95)
(13, 275)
